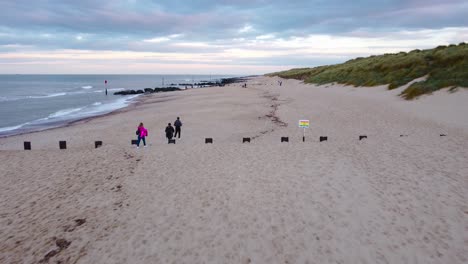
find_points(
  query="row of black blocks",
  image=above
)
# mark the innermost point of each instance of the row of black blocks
(283, 139)
(62, 144)
(97, 144)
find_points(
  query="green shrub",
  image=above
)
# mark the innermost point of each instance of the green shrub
(444, 66)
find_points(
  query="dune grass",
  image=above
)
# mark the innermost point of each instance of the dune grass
(444, 66)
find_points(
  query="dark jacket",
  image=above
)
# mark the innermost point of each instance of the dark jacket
(177, 123)
(169, 131)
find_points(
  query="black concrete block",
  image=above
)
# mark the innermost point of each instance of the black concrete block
(323, 139)
(27, 145)
(97, 144)
(362, 137)
(245, 140)
(63, 144)
(208, 140)
(284, 139)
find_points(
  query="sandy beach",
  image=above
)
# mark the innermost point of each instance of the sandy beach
(398, 196)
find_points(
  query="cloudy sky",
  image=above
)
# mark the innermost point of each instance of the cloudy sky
(216, 36)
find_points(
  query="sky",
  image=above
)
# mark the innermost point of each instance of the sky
(243, 37)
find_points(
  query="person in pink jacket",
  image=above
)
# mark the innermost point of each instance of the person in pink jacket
(142, 133)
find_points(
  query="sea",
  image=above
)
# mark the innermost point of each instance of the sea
(37, 102)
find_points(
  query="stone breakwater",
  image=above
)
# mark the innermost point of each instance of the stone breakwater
(147, 90)
(223, 82)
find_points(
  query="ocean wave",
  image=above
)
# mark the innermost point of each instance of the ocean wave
(108, 107)
(115, 89)
(66, 115)
(11, 98)
(95, 108)
(65, 112)
(87, 87)
(16, 98)
(46, 96)
(10, 128)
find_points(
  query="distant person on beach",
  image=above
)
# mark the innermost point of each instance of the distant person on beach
(169, 132)
(142, 133)
(177, 125)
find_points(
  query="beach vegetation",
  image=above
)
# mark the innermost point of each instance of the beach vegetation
(443, 67)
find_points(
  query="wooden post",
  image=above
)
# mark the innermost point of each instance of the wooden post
(97, 144)
(27, 145)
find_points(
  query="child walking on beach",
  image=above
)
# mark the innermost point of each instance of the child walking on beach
(142, 133)
(169, 132)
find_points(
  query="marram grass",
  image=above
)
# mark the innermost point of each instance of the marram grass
(444, 66)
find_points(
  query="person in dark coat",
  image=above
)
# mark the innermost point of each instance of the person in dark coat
(177, 125)
(169, 132)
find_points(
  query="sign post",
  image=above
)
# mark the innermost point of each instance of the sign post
(303, 124)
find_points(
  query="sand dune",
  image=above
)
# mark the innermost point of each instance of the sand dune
(384, 199)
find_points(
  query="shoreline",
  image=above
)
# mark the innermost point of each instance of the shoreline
(134, 102)
(71, 122)
(140, 100)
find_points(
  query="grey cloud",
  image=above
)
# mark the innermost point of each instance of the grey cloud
(213, 18)
(123, 25)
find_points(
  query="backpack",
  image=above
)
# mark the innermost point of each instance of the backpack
(137, 132)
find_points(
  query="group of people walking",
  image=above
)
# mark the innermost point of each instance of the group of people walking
(171, 132)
